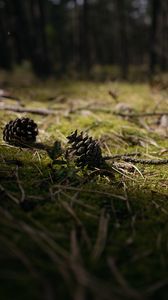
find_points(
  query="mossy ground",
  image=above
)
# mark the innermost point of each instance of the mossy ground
(99, 238)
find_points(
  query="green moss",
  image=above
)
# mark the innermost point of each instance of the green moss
(38, 246)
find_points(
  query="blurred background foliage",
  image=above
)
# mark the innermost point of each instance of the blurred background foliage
(79, 36)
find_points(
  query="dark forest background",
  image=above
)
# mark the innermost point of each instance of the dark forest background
(62, 35)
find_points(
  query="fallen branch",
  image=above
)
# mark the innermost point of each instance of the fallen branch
(119, 156)
(141, 161)
(38, 111)
(129, 115)
(139, 115)
(146, 161)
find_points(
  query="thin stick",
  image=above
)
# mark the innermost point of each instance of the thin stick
(101, 236)
(22, 198)
(32, 146)
(71, 188)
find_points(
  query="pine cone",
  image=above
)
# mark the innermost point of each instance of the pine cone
(86, 150)
(20, 131)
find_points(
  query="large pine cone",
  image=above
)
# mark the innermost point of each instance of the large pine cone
(20, 131)
(86, 150)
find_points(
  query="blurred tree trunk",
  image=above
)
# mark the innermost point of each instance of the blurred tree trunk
(84, 38)
(40, 57)
(60, 47)
(86, 33)
(155, 11)
(122, 17)
(5, 54)
(42, 26)
(76, 35)
(164, 35)
(19, 29)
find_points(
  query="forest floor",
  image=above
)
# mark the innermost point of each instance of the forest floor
(71, 234)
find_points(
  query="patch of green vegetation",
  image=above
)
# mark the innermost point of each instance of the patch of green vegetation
(81, 236)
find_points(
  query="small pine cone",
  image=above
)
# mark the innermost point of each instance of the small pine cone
(20, 131)
(86, 150)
